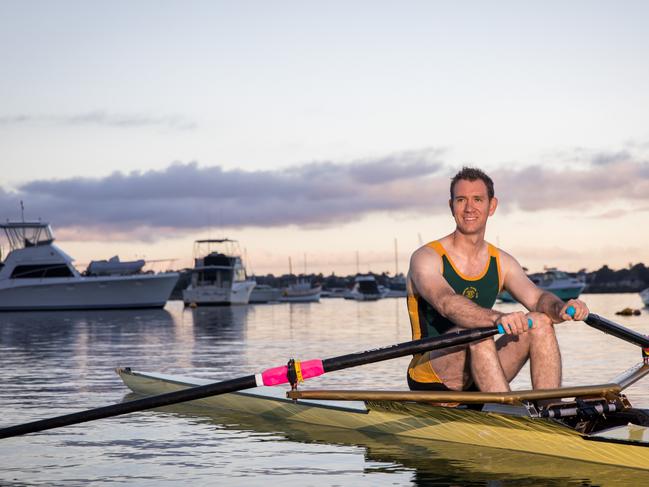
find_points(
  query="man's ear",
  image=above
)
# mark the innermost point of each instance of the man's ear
(493, 204)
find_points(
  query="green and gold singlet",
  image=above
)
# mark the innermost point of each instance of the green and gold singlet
(426, 321)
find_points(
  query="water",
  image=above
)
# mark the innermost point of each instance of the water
(58, 363)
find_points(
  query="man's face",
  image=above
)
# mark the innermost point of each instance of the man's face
(471, 206)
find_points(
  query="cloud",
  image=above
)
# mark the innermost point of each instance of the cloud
(186, 196)
(607, 158)
(604, 177)
(101, 118)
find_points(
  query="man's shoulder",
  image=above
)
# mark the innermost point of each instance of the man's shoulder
(504, 255)
(425, 256)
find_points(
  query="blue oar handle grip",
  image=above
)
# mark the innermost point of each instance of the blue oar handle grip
(570, 311)
(501, 328)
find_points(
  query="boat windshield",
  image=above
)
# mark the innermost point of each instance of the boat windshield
(27, 234)
(555, 275)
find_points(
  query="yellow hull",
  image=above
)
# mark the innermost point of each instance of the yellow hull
(421, 421)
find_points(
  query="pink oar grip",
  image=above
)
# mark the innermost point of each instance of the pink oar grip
(311, 368)
(279, 375)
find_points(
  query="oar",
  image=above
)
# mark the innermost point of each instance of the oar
(269, 377)
(611, 328)
(607, 326)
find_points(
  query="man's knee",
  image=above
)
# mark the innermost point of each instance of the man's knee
(542, 330)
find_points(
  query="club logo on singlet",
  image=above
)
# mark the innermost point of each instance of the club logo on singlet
(470, 292)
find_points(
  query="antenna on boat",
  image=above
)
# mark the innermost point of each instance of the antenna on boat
(22, 216)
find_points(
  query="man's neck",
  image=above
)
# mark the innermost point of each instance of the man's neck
(469, 245)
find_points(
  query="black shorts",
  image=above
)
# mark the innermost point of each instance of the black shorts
(434, 386)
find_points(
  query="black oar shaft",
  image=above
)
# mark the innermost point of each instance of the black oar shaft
(407, 348)
(131, 406)
(619, 331)
(329, 365)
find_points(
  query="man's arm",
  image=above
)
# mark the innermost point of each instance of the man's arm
(426, 276)
(529, 295)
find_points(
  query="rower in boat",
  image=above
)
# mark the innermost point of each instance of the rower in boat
(453, 283)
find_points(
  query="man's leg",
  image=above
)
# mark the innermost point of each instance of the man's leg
(451, 366)
(540, 345)
(486, 370)
(494, 365)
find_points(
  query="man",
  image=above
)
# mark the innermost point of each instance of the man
(453, 283)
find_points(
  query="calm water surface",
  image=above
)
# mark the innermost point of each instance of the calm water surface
(57, 363)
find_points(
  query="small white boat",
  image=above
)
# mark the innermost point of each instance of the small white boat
(644, 295)
(554, 281)
(114, 267)
(263, 293)
(301, 292)
(218, 278)
(38, 275)
(365, 289)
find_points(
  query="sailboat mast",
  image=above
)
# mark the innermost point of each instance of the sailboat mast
(396, 259)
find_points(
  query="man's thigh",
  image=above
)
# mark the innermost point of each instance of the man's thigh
(451, 365)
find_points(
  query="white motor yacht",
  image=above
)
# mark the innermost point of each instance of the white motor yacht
(218, 276)
(38, 275)
(644, 295)
(554, 281)
(263, 293)
(365, 289)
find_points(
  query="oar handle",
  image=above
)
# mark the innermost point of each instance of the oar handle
(501, 328)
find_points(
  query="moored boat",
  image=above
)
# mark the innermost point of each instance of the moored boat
(37, 275)
(365, 289)
(301, 292)
(644, 295)
(219, 276)
(114, 267)
(263, 293)
(554, 281)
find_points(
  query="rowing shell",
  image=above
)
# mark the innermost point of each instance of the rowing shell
(503, 426)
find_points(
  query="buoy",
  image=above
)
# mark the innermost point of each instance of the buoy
(629, 312)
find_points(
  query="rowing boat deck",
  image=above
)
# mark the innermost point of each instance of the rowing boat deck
(501, 426)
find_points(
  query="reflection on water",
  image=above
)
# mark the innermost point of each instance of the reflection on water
(56, 363)
(428, 462)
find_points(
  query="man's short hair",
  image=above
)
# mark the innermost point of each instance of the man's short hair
(473, 174)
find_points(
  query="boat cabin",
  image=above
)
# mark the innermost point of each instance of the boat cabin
(32, 254)
(217, 268)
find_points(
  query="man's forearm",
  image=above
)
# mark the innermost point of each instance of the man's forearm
(467, 314)
(551, 305)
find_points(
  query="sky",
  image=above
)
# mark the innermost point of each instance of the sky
(326, 132)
